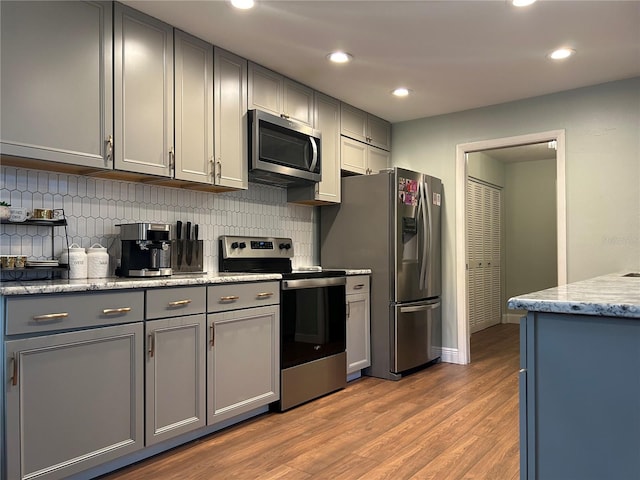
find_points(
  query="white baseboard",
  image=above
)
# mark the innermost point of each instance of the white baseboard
(450, 355)
(512, 317)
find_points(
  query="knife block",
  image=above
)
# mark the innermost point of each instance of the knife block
(186, 256)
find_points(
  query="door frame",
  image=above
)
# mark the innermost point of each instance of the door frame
(464, 355)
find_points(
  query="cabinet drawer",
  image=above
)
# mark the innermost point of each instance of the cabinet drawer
(242, 295)
(357, 284)
(43, 313)
(173, 302)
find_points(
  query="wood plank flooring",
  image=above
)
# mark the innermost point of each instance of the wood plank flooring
(444, 422)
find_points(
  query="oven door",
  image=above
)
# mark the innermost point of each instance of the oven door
(313, 319)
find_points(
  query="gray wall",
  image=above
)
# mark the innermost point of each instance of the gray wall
(485, 168)
(530, 227)
(602, 168)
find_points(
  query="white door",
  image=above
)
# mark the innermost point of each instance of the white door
(484, 233)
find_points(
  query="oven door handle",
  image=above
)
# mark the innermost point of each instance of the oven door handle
(313, 283)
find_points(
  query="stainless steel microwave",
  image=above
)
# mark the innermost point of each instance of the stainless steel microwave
(283, 152)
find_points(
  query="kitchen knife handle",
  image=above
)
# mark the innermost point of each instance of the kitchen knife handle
(195, 231)
(188, 234)
(178, 230)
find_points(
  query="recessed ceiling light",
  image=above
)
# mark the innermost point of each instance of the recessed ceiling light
(522, 3)
(401, 92)
(562, 53)
(243, 4)
(340, 57)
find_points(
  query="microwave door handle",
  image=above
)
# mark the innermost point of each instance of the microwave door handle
(314, 149)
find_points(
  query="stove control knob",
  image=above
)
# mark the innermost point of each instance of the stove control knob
(234, 245)
(242, 245)
(285, 246)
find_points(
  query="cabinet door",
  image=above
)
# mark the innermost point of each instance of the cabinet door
(353, 122)
(230, 113)
(194, 109)
(377, 159)
(298, 102)
(143, 65)
(265, 89)
(327, 120)
(379, 132)
(353, 155)
(74, 400)
(243, 359)
(56, 81)
(175, 376)
(358, 332)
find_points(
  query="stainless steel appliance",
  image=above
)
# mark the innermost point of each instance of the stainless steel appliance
(283, 152)
(313, 357)
(390, 222)
(146, 250)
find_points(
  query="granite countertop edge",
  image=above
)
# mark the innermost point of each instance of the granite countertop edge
(611, 295)
(39, 287)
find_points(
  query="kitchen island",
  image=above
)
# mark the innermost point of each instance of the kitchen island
(580, 380)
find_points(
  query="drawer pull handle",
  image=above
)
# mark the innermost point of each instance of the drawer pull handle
(213, 335)
(50, 316)
(14, 375)
(265, 294)
(229, 298)
(113, 311)
(359, 286)
(179, 303)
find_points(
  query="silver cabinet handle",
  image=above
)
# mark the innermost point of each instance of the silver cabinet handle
(219, 168)
(264, 294)
(114, 311)
(229, 298)
(109, 143)
(212, 164)
(180, 303)
(151, 345)
(50, 316)
(348, 309)
(172, 158)
(14, 375)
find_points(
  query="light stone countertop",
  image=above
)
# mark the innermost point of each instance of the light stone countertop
(39, 287)
(610, 295)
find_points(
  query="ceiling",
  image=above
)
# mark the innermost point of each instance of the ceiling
(522, 153)
(454, 55)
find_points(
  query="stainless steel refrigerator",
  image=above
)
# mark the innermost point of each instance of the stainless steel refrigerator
(390, 222)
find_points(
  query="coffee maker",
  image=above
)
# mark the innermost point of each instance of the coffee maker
(146, 250)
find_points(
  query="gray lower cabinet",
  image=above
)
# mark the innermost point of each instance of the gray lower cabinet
(143, 99)
(175, 376)
(579, 397)
(243, 354)
(358, 324)
(175, 362)
(56, 82)
(73, 400)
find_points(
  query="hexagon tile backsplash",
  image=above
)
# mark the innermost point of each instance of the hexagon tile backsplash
(93, 207)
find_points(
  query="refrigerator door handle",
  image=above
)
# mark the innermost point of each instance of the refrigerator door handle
(419, 308)
(426, 242)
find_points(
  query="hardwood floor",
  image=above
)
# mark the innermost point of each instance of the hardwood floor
(444, 422)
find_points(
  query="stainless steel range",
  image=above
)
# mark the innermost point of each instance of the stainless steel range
(312, 316)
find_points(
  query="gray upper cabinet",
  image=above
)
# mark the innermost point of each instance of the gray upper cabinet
(365, 127)
(143, 65)
(327, 120)
(56, 82)
(276, 94)
(194, 109)
(230, 120)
